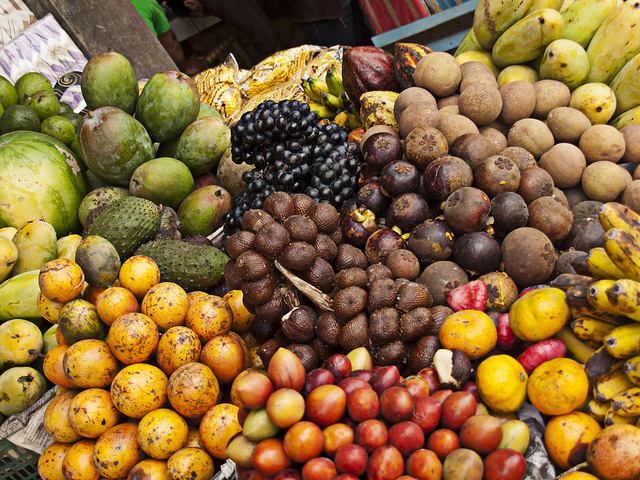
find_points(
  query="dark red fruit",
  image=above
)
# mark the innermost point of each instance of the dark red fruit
(470, 296)
(399, 177)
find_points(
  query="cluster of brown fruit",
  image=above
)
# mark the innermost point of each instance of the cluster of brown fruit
(345, 422)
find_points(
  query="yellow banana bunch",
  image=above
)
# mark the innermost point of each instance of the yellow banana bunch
(597, 295)
(617, 215)
(321, 111)
(578, 300)
(601, 266)
(579, 350)
(607, 387)
(613, 418)
(334, 81)
(590, 330)
(623, 341)
(601, 363)
(329, 99)
(623, 248)
(632, 369)
(597, 410)
(627, 402)
(624, 296)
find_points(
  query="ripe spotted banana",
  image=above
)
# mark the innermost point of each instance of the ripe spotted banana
(597, 296)
(577, 299)
(601, 363)
(591, 330)
(623, 248)
(632, 369)
(612, 418)
(607, 387)
(623, 341)
(601, 266)
(597, 410)
(617, 215)
(627, 402)
(624, 296)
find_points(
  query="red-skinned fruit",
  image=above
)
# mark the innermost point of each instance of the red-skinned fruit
(258, 475)
(319, 468)
(504, 464)
(285, 407)
(471, 386)
(253, 389)
(481, 433)
(244, 472)
(385, 377)
(456, 408)
(426, 413)
(339, 365)
(286, 370)
(315, 378)
(423, 464)
(442, 442)
(507, 340)
(396, 404)
(363, 404)
(346, 476)
(304, 440)
(269, 457)
(540, 352)
(441, 395)
(363, 374)
(371, 434)
(385, 463)
(242, 414)
(470, 296)
(352, 459)
(407, 437)
(325, 405)
(366, 68)
(289, 474)
(335, 436)
(350, 384)
(416, 386)
(430, 375)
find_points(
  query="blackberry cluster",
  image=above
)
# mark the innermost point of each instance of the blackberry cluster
(291, 152)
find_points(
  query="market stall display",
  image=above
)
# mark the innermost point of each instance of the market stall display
(341, 263)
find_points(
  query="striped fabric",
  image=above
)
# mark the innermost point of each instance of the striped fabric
(385, 15)
(15, 16)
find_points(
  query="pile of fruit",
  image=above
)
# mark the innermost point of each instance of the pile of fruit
(370, 276)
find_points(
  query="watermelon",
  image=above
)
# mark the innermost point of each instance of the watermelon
(40, 178)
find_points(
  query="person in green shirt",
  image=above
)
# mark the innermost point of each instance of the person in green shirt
(155, 17)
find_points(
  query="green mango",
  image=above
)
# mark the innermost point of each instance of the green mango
(493, 17)
(583, 18)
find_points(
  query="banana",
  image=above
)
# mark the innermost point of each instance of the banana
(612, 418)
(353, 120)
(607, 387)
(591, 330)
(601, 363)
(527, 39)
(617, 215)
(624, 296)
(583, 18)
(493, 17)
(623, 249)
(331, 101)
(341, 118)
(627, 402)
(565, 281)
(632, 369)
(597, 410)
(601, 266)
(318, 86)
(333, 80)
(345, 100)
(313, 96)
(578, 350)
(321, 111)
(577, 299)
(616, 41)
(626, 86)
(623, 341)
(598, 298)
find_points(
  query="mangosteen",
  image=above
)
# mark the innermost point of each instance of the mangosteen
(585, 233)
(453, 368)
(431, 241)
(535, 182)
(563, 264)
(380, 149)
(477, 252)
(509, 211)
(407, 211)
(550, 217)
(444, 176)
(403, 263)
(381, 243)
(586, 208)
(472, 148)
(398, 177)
(441, 277)
(358, 226)
(502, 291)
(466, 210)
(496, 174)
(372, 197)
